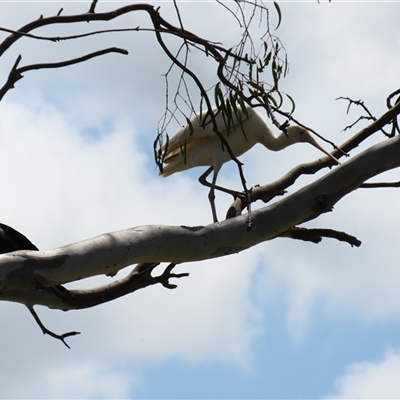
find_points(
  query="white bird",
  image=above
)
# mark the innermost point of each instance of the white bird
(197, 144)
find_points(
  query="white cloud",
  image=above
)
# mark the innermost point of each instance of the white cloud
(78, 380)
(371, 380)
(342, 281)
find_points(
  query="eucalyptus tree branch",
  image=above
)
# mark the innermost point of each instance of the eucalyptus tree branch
(140, 277)
(25, 275)
(268, 191)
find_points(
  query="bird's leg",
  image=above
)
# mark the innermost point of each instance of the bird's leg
(204, 182)
(212, 186)
(248, 202)
(211, 198)
(234, 193)
(52, 334)
(211, 194)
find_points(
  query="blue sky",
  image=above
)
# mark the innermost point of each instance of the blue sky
(285, 319)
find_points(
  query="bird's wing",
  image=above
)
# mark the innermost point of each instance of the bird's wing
(197, 130)
(12, 240)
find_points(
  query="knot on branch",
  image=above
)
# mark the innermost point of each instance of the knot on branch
(321, 204)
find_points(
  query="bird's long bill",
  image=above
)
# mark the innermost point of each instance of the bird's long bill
(319, 147)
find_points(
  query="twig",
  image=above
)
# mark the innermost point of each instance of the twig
(71, 37)
(316, 235)
(166, 275)
(92, 7)
(356, 122)
(381, 185)
(361, 104)
(395, 127)
(50, 333)
(72, 61)
(390, 97)
(16, 73)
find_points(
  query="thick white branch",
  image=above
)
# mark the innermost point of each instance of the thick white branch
(108, 253)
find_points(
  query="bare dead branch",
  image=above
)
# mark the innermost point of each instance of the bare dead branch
(315, 235)
(92, 6)
(50, 333)
(13, 77)
(383, 120)
(362, 117)
(395, 126)
(361, 104)
(16, 73)
(72, 37)
(390, 97)
(381, 185)
(139, 278)
(72, 61)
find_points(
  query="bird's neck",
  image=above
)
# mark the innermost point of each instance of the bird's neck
(266, 136)
(275, 143)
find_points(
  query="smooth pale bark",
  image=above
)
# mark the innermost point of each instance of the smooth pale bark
(26, 271)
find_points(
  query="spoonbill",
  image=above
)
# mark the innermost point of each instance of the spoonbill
(196, 144)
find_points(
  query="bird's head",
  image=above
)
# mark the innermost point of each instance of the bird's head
(297, 134)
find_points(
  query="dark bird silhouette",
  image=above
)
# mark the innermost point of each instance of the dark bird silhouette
(12, 240)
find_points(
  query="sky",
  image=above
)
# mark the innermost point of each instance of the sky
(284, 319)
